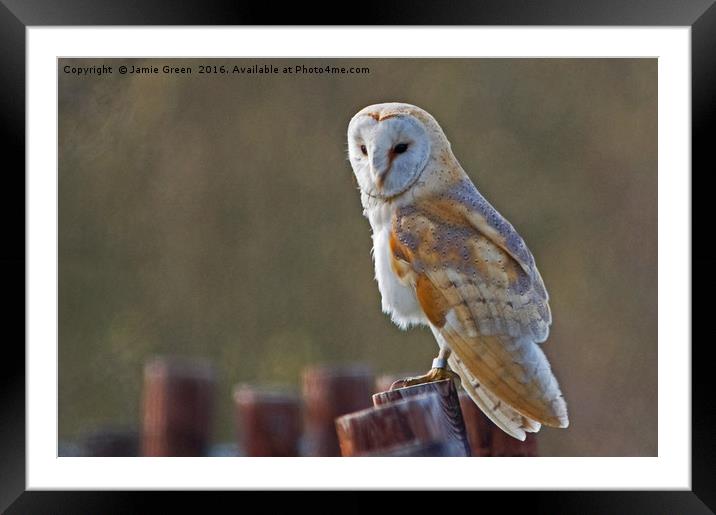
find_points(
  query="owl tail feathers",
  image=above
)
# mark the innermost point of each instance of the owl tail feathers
(500, 413)
(515, 371)
(555, 412)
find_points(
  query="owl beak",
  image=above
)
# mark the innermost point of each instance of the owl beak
(380, 171)
(380, 178)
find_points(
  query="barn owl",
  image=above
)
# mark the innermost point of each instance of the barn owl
(445, 258)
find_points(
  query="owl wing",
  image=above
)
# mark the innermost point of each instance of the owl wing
(478, 285)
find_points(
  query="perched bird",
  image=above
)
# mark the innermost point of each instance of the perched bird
(445, 258)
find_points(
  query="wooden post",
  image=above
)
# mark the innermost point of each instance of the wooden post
(413, 426)
(424, 450)
(486, 439)
(477, 426)
(449, 403)
(504, 445)
(329, 392)
(178, 405)
(110, 441)
(268, 421)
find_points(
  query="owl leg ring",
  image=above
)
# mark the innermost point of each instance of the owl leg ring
(438, 372)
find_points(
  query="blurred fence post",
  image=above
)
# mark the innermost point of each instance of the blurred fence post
(178, 407)
(412, 426)
(268, 421)
(110, 441)
(329, 392)
(486, 439)
(449, 404)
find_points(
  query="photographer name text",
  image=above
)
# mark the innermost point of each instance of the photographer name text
(211, 69)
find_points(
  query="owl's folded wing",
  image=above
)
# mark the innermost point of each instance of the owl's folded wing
(480, 289)
(476, 259)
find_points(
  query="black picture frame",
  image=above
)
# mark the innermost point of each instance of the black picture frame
(17, 15)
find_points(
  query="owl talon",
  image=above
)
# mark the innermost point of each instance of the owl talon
(435, 374)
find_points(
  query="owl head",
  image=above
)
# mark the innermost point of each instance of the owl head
(390, 145)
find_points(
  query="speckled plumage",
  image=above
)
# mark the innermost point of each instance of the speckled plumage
(445, 258)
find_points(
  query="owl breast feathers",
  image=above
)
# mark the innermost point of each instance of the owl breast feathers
(459, 263)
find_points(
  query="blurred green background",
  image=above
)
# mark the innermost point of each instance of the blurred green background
(217, 216)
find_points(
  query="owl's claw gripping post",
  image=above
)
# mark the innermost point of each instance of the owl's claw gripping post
(438, 372)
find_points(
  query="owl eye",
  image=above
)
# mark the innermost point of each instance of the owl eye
(364, 150)
(400, 148)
